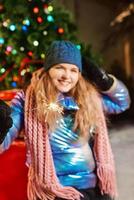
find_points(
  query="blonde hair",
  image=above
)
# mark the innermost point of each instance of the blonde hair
(84, 93)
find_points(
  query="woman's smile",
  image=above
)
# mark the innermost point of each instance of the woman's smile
(63, 82)
(64, 76)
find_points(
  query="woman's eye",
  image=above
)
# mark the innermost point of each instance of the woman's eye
(74, 70)
(58, 67)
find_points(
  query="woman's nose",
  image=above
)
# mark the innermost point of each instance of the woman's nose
(66, 74)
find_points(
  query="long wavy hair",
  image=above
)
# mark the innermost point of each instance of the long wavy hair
(84, 93)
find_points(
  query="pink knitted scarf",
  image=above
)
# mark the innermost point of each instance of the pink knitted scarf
(42, 181)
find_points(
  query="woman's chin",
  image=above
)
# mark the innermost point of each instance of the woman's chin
(63, 90)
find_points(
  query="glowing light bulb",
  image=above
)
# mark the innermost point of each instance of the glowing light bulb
(35, 43)
(2, 70)
(22, 48)
(45, 32)
(50, 8)
(36, 10)
(50, 18)
(12, 27)
(2, 40)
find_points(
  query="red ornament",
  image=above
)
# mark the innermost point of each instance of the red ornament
(7, 52)
(60, 30)
(39, 20)
(15, 78)
(36, 10)
(30, 53)
(45, 6)
(2, 9)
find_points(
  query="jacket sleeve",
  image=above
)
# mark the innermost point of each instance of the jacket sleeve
(17, 114)
(116, 100)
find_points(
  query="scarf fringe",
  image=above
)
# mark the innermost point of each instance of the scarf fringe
(37, 189)
(107, 180)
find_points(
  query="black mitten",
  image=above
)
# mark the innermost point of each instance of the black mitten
(5, 120)
(96, 74)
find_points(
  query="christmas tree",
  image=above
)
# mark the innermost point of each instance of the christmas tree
(26, 30)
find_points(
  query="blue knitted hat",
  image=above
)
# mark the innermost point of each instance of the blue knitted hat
(62, 52)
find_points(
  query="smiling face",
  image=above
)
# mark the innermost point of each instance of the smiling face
(64, 76)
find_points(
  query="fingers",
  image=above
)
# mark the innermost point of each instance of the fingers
(9, 122)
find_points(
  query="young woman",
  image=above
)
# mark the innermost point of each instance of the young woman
(68, 150)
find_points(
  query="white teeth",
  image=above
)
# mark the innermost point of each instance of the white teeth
(64, 82)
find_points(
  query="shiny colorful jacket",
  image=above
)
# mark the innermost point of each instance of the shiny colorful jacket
(75, 165)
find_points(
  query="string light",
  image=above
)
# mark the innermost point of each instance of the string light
(15, 78)
(23, 72)
(2, 70)
(1, 8)
(50, 18)
(14, 84)
(50, 8)
(30, 53)
(14, 52)
(6, 23)
(45, 6)
(45, 33)
(26, 22)
(9, 48)
(60, 30)
(42, 55)
(36, 10)
(12, 27)
(78, 46)
(22, 48)
(35, 43)
(2, 40)
(24, 28)
(39, 19)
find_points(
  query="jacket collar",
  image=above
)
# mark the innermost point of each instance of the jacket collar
(67, 102)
